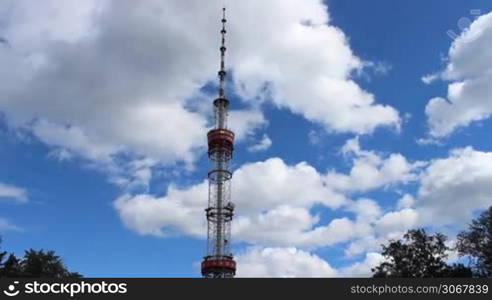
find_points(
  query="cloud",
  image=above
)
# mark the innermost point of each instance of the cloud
(398, 221)
(379, 68)
(430, 78)
(453, 188)
(245, 122)
(302, 63)
(363, 268)
(106, 79)
(293, 262)
(364, 244)
(380, 226)
(287, 226)
(450, 191)
(407, 201)
(429, 141)
(14, 193)
(276, 211)
(262, 145)
(365, 209)
(280, 226)
(5, 225)
(314, 137)
(179, 212)
(371, 171)
(276, 183)
(282, 262)
(470, 72)
(73, 138)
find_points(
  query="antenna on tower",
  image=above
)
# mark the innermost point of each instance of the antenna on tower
(223, 49)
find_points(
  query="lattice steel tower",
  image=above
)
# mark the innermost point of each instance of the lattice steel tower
(219, 262)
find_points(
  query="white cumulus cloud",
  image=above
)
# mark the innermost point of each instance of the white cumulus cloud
(282, 263)
(453, 188)
(290, 262)
(371, 171)
(276, 212)
(105, 79)
(470, 72)
(362, 268)
(301, 62)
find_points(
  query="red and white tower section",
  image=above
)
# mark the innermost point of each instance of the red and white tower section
(219, 262)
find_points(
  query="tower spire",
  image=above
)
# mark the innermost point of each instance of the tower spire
(223, 49)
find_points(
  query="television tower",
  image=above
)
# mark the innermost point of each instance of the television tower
(219, 262)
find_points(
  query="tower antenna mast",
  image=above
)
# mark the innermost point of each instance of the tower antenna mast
(219, 261)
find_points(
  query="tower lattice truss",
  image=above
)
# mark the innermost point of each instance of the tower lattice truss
(219, 261)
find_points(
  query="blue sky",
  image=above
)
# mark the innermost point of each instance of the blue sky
(70, 144)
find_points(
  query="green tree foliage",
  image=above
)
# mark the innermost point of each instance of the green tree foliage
(418, 255)
(11, 267)
(476, 243)
(35, 263)
(44, 264)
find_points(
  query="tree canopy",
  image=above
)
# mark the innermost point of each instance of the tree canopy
(34, 263)
(418, 254)
(476, 243)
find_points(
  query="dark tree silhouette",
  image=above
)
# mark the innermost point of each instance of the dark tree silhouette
(11, 267)
(34, 264)
(44, 264)
(476, 243)
(418, 255)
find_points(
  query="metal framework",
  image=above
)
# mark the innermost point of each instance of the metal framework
(219, 262)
